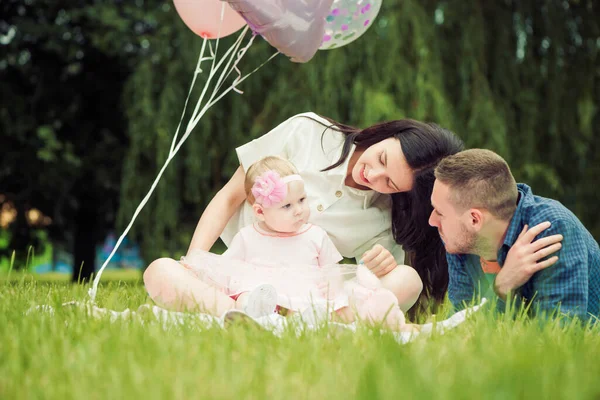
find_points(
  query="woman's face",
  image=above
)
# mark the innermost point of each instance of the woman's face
(383, 168)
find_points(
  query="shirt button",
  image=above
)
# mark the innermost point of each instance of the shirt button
(338, 193)
(320, 207)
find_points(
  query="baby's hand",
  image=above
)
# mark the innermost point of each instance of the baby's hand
(379, 260)
(325, 290)
(184, 262)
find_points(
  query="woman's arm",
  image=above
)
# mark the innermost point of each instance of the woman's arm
(218, 212)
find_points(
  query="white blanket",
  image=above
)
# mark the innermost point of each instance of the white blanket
(274, 323)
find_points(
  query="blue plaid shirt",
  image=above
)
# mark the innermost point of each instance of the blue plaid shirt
(573, 282)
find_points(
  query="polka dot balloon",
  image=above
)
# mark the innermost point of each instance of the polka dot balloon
(347, 21)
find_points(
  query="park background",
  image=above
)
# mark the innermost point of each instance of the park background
(91, 93)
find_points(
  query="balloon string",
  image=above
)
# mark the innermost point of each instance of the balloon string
(214, 100)
(222, 19)
(197, 71)
(229, 58)
(241, 54)
(94, 289)
(233, 50)
(244, 78)
(213, 71)
(209, 58)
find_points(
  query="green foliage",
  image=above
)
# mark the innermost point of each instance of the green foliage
(510, 76)
(519, 78)
(62, 134)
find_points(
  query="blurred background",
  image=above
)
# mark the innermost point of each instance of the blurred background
(91, 93)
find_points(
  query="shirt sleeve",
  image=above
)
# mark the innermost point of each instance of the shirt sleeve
(274, 143)
(565, 283)
(460, 284)
(328, 253)
(386, 239)
(237, 248)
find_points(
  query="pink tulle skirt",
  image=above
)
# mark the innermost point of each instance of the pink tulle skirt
(298, 286)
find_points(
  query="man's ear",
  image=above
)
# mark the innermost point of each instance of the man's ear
(259, 212)
(476, 219)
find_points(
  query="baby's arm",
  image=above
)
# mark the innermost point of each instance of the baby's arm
(237, 248)
(328, 253)
(331, 282)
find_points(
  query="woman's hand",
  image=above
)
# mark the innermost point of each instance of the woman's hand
(379, 260)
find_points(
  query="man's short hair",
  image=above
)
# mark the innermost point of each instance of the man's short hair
(480, 178)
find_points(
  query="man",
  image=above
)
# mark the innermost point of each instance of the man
(488, 224)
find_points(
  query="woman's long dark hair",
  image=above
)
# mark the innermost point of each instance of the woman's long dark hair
(424, 145)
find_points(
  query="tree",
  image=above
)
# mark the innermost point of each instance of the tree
(518, 77)
(62, 121)
(497, 73)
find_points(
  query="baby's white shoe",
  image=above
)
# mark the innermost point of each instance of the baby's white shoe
(262, 301)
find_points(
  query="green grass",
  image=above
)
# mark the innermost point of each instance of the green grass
(35, 256)
(111, 275)
(72, 356)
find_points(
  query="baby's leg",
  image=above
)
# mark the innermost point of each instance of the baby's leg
(176, 288)
(378, 306)
(406, 285)
(413, 328)
(345, 315)
(241, 300)
(261, 301)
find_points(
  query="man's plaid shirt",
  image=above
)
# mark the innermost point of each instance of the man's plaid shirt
(573, 282)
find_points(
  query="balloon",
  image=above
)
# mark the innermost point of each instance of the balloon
(203, 17)
(347, 21)
(294, 27)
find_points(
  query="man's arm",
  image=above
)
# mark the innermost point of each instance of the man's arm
(460, 285)
(565, 284)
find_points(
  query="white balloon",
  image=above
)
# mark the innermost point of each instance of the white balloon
(347, 21)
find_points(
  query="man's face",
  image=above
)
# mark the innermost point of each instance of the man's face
(452, 224)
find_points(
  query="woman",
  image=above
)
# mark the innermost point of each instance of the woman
(368, 189)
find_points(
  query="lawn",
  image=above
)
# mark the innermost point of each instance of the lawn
(70, 355)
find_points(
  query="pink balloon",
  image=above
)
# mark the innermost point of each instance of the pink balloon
(203, 17)
(294, 27)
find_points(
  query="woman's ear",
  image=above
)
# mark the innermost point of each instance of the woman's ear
(259, 212)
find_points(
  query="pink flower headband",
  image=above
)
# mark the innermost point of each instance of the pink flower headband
(270, 189)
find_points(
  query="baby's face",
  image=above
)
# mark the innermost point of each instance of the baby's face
(293, 212)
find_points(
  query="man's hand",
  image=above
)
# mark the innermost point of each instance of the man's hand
(379, 260)
(523, 259)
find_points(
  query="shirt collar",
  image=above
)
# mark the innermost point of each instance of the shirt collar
(340, 172)
(517, 223)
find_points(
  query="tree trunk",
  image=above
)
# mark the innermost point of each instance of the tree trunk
(84, 255)
(21, 238)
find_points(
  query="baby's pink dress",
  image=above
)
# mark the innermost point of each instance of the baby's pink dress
(302, 266)
(310, 245)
